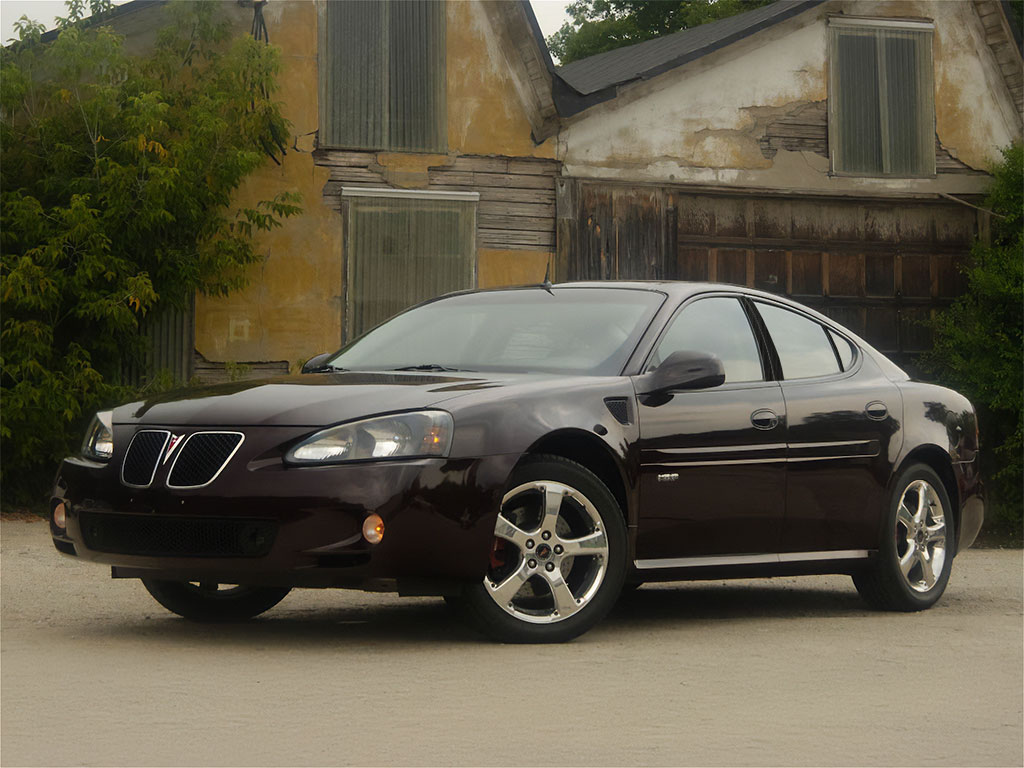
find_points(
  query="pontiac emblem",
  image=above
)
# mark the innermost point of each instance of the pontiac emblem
(171, 445)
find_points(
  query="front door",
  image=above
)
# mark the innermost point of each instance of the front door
(712, 461)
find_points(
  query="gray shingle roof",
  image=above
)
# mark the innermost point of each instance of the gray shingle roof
(643, 60)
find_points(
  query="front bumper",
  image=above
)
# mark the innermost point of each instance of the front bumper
(439, 519)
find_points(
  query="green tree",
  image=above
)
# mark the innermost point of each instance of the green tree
(597, 26)
(116, 181)
(979, 342)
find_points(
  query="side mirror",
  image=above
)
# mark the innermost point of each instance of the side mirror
(315, 364)
(684, 369)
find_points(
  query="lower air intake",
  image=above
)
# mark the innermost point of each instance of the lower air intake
(176, 536)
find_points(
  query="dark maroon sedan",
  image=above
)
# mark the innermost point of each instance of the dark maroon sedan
(529, 452)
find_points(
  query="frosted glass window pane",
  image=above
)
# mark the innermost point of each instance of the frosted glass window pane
(882, 116)
(400, 252)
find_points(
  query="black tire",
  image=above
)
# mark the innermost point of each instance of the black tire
(593, 577)
(883, 583)
(207, 603)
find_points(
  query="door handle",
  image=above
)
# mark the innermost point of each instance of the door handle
(876, 410)
(764, 419)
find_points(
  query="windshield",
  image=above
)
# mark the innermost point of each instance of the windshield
(558, 330)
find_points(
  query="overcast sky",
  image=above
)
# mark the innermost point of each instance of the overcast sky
(550, 13)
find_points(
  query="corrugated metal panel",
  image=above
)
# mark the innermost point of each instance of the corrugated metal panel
(169, 343)
(400, 251)
(383, 70)
(882, 102)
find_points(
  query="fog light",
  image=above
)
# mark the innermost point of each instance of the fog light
(373, 529)
(59, 517)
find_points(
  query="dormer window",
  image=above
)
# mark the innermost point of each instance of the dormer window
(881, 99)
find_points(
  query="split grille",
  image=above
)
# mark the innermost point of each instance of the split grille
(176, 536)
(199, 460)
(140, 461)
(202, 457)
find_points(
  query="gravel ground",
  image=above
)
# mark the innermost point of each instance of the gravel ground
(756, 672)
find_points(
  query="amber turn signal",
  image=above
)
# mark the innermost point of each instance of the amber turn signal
(373, 529)
(59, 516)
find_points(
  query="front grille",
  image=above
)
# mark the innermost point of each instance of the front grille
(202, 457)
(176, 536)
(140, 461)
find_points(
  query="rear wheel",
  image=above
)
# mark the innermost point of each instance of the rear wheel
(558, 558)
(210, 601)
(914, 559)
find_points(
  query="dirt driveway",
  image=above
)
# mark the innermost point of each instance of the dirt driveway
(787, 671)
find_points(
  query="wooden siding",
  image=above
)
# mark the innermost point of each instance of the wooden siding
(1000, 40)
(805, 129)
(517, 195)
(879, 267)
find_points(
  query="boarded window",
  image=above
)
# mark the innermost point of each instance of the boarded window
(402, 248)
(881, 104)
(382, 75)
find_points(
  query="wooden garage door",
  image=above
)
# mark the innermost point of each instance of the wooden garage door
(881, 268)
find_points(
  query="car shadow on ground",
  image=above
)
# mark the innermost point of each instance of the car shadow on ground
(429, 621)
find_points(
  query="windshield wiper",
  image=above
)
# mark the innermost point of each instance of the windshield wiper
(426, 367)
(327, 368)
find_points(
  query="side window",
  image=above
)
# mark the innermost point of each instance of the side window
(803, 346)
(845, 349)
(719, 326)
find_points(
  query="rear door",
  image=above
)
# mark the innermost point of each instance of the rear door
(843, 418)
(712, 461)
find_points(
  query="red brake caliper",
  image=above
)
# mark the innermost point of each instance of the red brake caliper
(498, 553)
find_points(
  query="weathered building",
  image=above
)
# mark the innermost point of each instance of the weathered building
(830, 150)
(827, 149)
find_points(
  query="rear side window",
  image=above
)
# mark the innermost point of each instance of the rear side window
(717, 325)
(803, 345)
(844, 348)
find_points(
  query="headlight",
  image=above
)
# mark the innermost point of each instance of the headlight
(402, 435)
(99, 437)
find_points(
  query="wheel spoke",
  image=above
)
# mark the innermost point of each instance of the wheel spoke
(553, 497)
(936, 533)
(922, 503)
(905, 517)
(908, 560)
(565, 603)
(927, 573)
(505, 529)
(507, 589)
(595, 543)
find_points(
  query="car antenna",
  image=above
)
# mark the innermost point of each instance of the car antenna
(546, 285)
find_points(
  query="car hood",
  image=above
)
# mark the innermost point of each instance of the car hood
(311, 400)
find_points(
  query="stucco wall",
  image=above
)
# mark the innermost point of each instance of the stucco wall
(702, 122)
(292, 308)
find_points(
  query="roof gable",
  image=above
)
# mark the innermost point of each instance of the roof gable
(605, 71)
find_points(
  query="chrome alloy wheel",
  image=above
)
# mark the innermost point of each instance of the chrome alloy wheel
(550, 552)
(920, 536)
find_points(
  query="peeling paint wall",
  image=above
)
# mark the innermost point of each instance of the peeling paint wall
(707, 122)
(292, 308)
(487, 102)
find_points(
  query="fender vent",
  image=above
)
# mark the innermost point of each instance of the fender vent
(620, 409)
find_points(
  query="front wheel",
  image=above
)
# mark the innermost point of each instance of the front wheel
(209, 602)
(558, 558)
(914, 558)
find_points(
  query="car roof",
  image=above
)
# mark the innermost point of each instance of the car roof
(677, 290)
